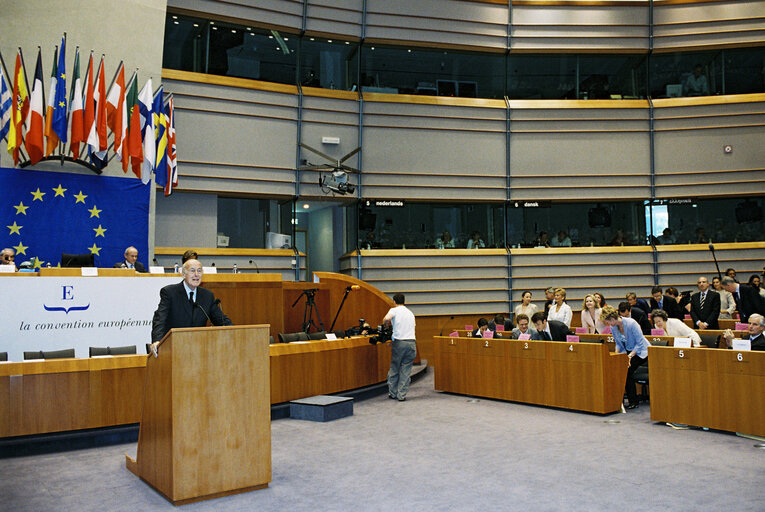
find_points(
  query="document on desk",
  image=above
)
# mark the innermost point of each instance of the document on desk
(682, 343)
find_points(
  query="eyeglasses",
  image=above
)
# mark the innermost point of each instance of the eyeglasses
(194, 271)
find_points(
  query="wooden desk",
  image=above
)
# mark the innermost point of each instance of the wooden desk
(70, 394)
(714, 388)
(580, 376)
(57, 395)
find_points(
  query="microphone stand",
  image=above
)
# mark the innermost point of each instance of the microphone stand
(347, 291)
(712, 248)
(441, 332)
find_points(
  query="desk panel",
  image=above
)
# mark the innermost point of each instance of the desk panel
(567, 375)
(715, 388)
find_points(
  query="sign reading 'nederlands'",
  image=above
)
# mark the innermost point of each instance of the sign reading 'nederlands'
(54, 313)
(386, 203)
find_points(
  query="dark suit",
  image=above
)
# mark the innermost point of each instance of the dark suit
(748, 303)
(709, 313)
(124, 264)
(758, 343)
(643, 305)
(175, 310)
(558, 330)
(508, 325)
(640, 316)
(669, 304)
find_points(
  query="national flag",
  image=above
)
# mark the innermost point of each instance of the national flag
(5, 105)
(116, 111)
(160, 136)
(35, 122)
(19, 108)
(59, 113)
(132, 145)
(76, 121)
(49, 133)
(172, 157)
(96, 98)
(145, 105)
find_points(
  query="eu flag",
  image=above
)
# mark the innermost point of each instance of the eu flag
(44, 214)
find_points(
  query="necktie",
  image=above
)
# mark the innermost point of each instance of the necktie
(191, 298)
(701, 300)
(546, 336)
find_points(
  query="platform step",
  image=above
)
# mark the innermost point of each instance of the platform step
(321, 408)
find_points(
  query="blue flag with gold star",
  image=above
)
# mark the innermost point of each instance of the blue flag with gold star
(44, 214)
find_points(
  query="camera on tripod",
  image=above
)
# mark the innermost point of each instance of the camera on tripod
(379, 334)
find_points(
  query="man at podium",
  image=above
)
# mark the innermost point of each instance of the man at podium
(186, 304)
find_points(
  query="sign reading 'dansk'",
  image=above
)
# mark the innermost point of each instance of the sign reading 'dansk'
(54, 313)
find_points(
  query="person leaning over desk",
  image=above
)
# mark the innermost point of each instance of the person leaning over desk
(629, 339)
(185, 304)
(674, 327)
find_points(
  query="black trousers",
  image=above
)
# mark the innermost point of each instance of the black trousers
(629, 387)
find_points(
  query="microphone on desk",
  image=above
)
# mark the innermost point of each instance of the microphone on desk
(257, 270)
(156, 263)
(441, 332)
(215, 302)
(353, 287)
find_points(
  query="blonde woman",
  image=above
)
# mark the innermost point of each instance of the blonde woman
(559, 310)
(591, 315)
(525, 307)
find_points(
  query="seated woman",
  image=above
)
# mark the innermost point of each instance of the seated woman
(445, 242)
(525, 307)
(591, 316)
(674, 327)
(755, 282)
(559, 310)
(628, 338)
(600, 301)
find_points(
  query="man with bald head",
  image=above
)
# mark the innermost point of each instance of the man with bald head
(131, 260)
(705, 306)
(186, 304)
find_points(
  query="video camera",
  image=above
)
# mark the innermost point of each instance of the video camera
(379, 334)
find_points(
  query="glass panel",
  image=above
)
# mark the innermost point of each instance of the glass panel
(718, 220)
(422, 225)
(402, 70)
(686, 74)
(247, 52)
(744, 70)
(612, 77)
(577, 224)
(185, 44)
(328, 63)
(244, 221)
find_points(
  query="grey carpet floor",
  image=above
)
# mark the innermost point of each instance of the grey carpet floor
(437, 451)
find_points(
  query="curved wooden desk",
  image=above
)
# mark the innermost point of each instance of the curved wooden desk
(58, 395)
(580, 376)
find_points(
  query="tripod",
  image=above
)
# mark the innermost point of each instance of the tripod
(310, 308)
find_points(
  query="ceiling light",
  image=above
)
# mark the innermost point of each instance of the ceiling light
(306, 206)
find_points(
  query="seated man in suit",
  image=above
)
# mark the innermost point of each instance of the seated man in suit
(705, 306)
(637, 314)
(499, 319)
(483, 326)
(552, 330)
(186, 304)
(523, 327)
(748, 300)
(756, 336)
(665, 302)
(131, 255)
(634, 302)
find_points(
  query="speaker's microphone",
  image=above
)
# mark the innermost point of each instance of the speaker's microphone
(353, 287)
(205, 312)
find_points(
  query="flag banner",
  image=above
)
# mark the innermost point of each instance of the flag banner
(75, 121)
(50, 135)
(19, 109)
(35, 122)
(5, 105)
(45, 214)
(59, 123)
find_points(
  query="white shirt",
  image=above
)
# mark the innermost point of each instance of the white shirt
(563, 315)
(402, 320)
(677, 328)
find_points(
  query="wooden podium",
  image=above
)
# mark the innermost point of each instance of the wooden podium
(206, 421)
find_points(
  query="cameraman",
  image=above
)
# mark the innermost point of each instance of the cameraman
(403, 348)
